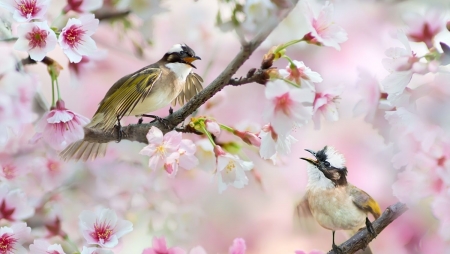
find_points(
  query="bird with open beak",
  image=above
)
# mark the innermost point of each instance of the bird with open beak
(333, 202)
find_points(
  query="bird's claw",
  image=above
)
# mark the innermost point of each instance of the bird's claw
(170, 110)
(120, 132)
(140, 120)
(163, 121)
(370, 228)
(336, 249)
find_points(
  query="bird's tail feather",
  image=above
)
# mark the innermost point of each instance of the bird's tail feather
(84, 150)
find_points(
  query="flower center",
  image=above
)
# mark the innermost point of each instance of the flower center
(73, 36)
(28, 7)
(283, 103)
(7, 242)
(230, 167)
(9, 172)
(102, 232)
(161, 150)
(37, 38)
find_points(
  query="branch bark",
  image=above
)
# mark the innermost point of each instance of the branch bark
(361, 239)
(137, 132)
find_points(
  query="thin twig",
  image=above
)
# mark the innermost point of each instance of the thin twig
(137, 132)
(102, 16)
(363, 237)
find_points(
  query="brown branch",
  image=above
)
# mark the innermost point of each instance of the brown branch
(47, 61)
(111, 15)
(363, 237)
(137, 132)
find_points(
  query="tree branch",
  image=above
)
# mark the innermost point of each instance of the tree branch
(363, 237)
(137, 132)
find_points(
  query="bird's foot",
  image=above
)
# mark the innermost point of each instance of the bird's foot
(140, 120)
(163, 121)
(370, 228)
(170, 110)
(336, 249)
(120, 132)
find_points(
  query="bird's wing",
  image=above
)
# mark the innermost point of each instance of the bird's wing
(303, 216)
(192, 87)
(125, 94)
(365, 202)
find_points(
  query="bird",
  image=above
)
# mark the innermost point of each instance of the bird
(335, 203)
(169, 80)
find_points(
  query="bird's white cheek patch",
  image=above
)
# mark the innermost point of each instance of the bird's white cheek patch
(180, 69)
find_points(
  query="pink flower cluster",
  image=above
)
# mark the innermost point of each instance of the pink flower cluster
(169, 151)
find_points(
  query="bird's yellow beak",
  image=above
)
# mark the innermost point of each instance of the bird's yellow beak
(189, 60)
(314, 162)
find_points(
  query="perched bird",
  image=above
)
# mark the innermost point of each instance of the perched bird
(170, 80)
(333, 202)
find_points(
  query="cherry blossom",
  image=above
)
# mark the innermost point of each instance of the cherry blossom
(94, 250)
(231, 169)
(44, 247)
(160, 146)
(257, 12)
(36, 38)
(197, 250)
(325, 103)
(159, 246)
(300, 74)
(369, 90)
(60, 127)
(83, 6)
(441, 209)
(103, 227)
(273, 144)
(323, 30)
(14, 205)
(26, 10)
(184, 157)
(288, 106)
(12, 238)
(75, 38)
(212, 127)
(238, 246)
(423, 28)
(248, 137)
(402, 64)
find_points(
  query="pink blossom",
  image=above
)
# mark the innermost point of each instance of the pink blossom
(288, 105)
(323, 30)
(160, 247)
(44, 247)
(423, 28)
(231, 169)
(26, 10)
(401, 63)
(160, 146)
(441, 209)
(14, 205)
(238, 246)
(82, 6)
(60, 127)
(184, 158)
(103, 227)
(75, 38)
(248, 137)
(300, 74)
(368, 88)
(212, 127)
(325, 103)
(273, 144)
(197, 250)
(95, 250)
(36, 38)
(256, 13)
(13, 237)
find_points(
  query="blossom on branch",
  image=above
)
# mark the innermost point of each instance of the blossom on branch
(14, 204)
(36, 38)
(43, 247)
(325, 103)
(323, 30)
(423, 28)
(300, 74)
(273, 144)
(103, 227)
(75, 38)
(231, 169)
(26, 10)
(12, 238)
(159, 246)
(288, 106)
(160, 146)
(60, 127)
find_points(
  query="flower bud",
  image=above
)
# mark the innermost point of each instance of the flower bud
(248, 137)
(212, 127)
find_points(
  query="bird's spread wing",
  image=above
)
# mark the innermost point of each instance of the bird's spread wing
(365, 202)
(303, 216)
(125, 94)
(192, 87)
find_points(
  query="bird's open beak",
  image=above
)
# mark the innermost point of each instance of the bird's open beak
(314, 162)
(189, 60)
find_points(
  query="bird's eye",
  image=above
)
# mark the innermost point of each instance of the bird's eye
(326, 163)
